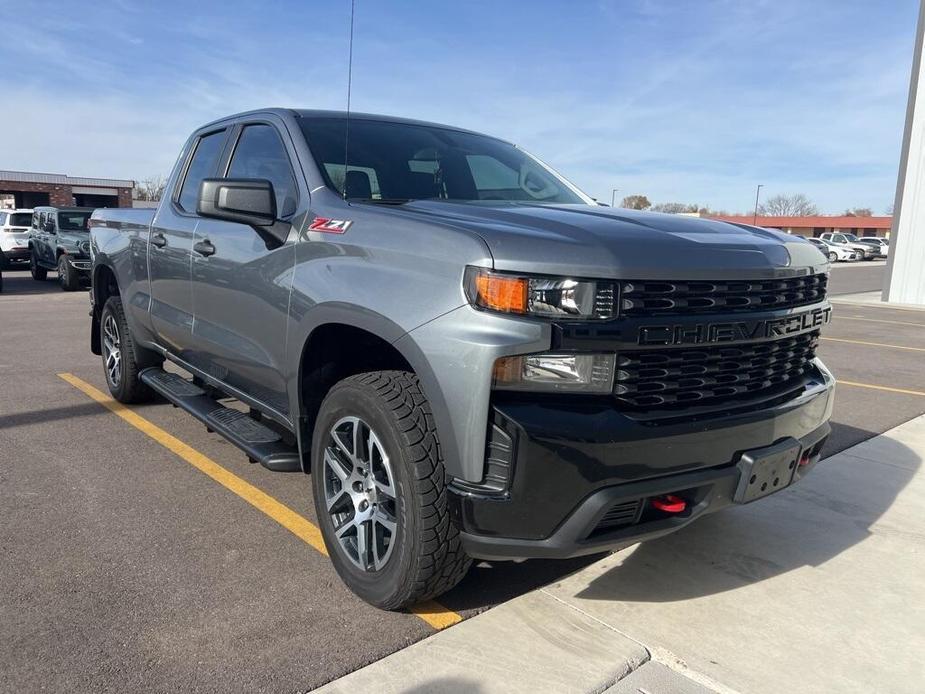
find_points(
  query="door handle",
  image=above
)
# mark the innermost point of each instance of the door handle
(204, 247)
(158, 240)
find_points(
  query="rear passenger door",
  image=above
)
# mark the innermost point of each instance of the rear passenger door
(170, 244)
(241, 282)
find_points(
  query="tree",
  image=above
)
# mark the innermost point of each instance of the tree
(797, 205)
(636, 202)
(859, 212)
(674, 207)
(152, 188)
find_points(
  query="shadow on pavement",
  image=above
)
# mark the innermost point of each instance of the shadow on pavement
(50, 415)
(808, 524)
(19, 282)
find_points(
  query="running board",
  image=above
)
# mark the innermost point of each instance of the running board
(258, 441)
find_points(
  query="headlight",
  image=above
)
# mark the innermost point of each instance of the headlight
(571, 373)
(546, 297)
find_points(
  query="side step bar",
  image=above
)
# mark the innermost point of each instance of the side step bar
(258, 441)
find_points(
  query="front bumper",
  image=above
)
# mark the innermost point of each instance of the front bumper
(16, 253)
(82, 265)
(574, 468)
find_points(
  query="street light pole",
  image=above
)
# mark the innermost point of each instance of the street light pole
(757, 193)
(613, 197)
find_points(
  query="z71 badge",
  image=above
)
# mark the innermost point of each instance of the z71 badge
(331, 226)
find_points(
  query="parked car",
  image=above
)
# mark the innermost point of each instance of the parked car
(470, 356)
(60, 240)
(835, 252)
(882, 246)
(840, 238)
(14, 236)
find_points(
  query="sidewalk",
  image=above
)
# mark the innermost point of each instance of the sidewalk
(871, 299)
(815, 589)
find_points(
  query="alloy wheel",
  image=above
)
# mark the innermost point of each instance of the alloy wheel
(360, 495)
(112, 350)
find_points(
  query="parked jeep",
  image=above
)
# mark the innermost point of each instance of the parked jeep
(60, 240)
(470, 357)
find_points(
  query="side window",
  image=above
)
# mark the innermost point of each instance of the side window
(202, 165)
(2, 219)
(260, 153)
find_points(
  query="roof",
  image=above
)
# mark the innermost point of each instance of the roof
(61, 179)
(823, 221)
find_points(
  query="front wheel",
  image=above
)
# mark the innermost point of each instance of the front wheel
(833, 256)
(380, 491)
(67, 275)
(37, 271)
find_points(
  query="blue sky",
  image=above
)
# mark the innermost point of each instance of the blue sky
(681, 100)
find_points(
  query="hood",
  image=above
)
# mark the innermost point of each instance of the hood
(593, 241)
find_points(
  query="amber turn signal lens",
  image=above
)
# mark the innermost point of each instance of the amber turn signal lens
(500, 293)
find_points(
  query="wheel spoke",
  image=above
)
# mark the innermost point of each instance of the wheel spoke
(336, 465)
(363, 544)
(337, 437)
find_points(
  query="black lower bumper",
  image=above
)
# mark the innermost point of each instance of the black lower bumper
(583, 476)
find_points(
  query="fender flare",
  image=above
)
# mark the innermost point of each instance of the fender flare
(386, 329)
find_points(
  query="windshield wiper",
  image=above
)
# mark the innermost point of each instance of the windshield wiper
(382, 201)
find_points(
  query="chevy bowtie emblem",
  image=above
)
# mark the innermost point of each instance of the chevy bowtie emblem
(331, 226)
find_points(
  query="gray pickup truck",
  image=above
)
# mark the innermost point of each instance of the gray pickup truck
(470, 356)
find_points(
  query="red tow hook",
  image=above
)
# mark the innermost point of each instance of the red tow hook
(804, 459)
(669, 503)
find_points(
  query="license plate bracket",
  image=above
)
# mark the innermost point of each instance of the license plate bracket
(764, 471)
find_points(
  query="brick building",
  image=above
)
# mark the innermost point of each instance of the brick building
(20, 189)
(818, 225)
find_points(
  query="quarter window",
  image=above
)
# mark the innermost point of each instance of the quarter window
(202, 165)
(260, 153)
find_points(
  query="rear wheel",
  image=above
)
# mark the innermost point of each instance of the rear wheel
(67, 275)
(37, 271)
(120, 362)
(380, 491)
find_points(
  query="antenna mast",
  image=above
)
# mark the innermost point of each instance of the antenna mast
(349, 84)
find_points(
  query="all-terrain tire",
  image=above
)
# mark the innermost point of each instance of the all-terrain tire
(39, 274)
(68, 277)
(122, 377)
(427, 558)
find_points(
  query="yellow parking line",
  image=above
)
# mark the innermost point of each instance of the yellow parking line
(887, 388)
(872, 344)
(430, 611)
(880, 320)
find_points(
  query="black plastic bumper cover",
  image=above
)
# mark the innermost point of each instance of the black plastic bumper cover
(575, 462)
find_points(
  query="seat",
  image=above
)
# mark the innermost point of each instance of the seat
(358, 185)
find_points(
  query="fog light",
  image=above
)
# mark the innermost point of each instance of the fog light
(574, 373)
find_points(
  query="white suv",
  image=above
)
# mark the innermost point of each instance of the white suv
(14, 236)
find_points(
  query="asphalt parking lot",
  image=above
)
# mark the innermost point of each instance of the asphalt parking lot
(125, 565)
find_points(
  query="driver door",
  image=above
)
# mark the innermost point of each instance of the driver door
(241, 283)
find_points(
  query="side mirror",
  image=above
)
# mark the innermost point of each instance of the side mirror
(243, 200)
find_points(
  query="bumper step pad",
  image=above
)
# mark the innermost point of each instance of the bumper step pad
(258, 441)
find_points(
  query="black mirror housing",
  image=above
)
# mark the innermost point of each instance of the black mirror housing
(243, 200)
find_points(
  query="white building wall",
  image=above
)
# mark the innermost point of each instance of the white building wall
(905, 277)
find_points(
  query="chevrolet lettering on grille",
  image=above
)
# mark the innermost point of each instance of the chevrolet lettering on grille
(736, 331)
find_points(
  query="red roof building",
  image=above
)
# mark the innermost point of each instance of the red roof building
(817, 225)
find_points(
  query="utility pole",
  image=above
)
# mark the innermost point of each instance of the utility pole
(757, 193)
(613, 197)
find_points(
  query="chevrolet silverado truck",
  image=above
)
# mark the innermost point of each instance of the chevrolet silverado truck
(60, 240)
(469, 356)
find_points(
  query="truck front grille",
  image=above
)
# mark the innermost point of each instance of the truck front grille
(668, 298)
(675, 378)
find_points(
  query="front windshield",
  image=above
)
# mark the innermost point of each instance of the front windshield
(397, 162)
(73, 221)
(850, 237)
